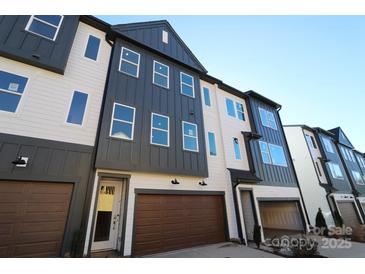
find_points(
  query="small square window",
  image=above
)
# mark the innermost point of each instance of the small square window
(129, 62)
(122, 125)
(187, 84)
(277, 155)
(77, 108)
(92, 47)
(160, 74)
(46, 26)
(12, 87)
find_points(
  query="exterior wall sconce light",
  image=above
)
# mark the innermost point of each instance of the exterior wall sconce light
(235, 140)
(175, 182)
(20, 161)
(203, 183)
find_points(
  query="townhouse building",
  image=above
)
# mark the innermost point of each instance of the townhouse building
(247, 145)
(327, 171)
(52, 76)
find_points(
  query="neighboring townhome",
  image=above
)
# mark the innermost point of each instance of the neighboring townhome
(354, 166)
(150, 193)
(322, 174)
(52, 78)
(248, 150)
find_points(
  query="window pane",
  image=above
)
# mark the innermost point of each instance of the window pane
(9, 102)
(12, 82)
(190, 143)
(190, 129)
(206, 96)
(239, 107)
(313, 142)
(212, 147)
(272, 122)
(43, 29)
(277, 155)
(129, 68)
(52, 19)
(122, 130)
(265, 153)
(130, 56)
(328, 145)
(187, 90)
(92, 47)
(160, 80)
(161, 69)
(230, 108)
(159, 137)
(237, 152)
(123, 113)
(186, 79)
(77, 108)
(263, 117)
(160, 122)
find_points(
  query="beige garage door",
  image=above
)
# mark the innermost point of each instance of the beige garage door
(281, 218)
(170, 222)
(348, 213)
(32, 218)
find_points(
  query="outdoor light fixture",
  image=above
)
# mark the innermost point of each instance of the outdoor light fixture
(175, 182)
(202, 183)
(20, 161)
(235, 140)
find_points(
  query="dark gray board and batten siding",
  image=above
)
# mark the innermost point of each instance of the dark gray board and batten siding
(18, 44)
(270, 174)
(342, 186)
(141, 93)
(52, 162)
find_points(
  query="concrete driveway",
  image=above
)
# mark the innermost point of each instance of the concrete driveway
(221, 250)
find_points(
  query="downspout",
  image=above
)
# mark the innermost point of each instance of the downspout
(89, 190)
(238, 218)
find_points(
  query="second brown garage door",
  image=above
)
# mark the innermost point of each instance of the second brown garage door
(170, 222)
(32, 218)
(348, 213)
(281, 218)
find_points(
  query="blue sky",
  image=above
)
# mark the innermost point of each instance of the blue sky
(314, 66)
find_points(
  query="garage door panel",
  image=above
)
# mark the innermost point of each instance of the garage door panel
(349, 213)
(177, 221)
(33, 218)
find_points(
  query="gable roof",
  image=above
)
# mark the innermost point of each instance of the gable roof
(340, 137)
(150, 34)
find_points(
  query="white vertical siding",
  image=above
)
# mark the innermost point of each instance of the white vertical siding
(45, 103)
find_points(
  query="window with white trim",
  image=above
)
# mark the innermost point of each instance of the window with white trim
(344, 153)
(187, 85)
(92, 47)
(357, 177)
(351, 155)
(267, 118)
(240, 111)
(129, 62)
(12, 87)
(190, 136)
(310, 141)
(206, 95)
(212, 145)
(335, 171)
(122, 124)
(236, 149)
(328, 145)
(46, 26)
(230, 108)
(361, 161)
(265, 154)
(272, 154)
(160, 74)
(160, 130)
(77, 108)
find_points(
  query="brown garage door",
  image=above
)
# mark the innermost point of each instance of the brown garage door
(348, 213)
(170, 222)
(32, 218)
(281, 218)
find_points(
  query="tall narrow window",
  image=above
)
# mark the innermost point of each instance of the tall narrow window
(335, 171)
(236, 149)
(240, 111)
(190, 136)
(187, 84)
(160, 74)
(271, 118)
(319, 170)
(77, 108)
(230, 107)
(129, 62)
(212, 146)
(277, 155)
(206, 94)
(263, 117)
(46, 26)
(12, 87)
(160, 130)
(92, 47)
(122, 125)
(265, 154)
(344, 152)
(328, 145)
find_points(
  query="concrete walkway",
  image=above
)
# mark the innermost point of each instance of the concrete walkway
(221, 250)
